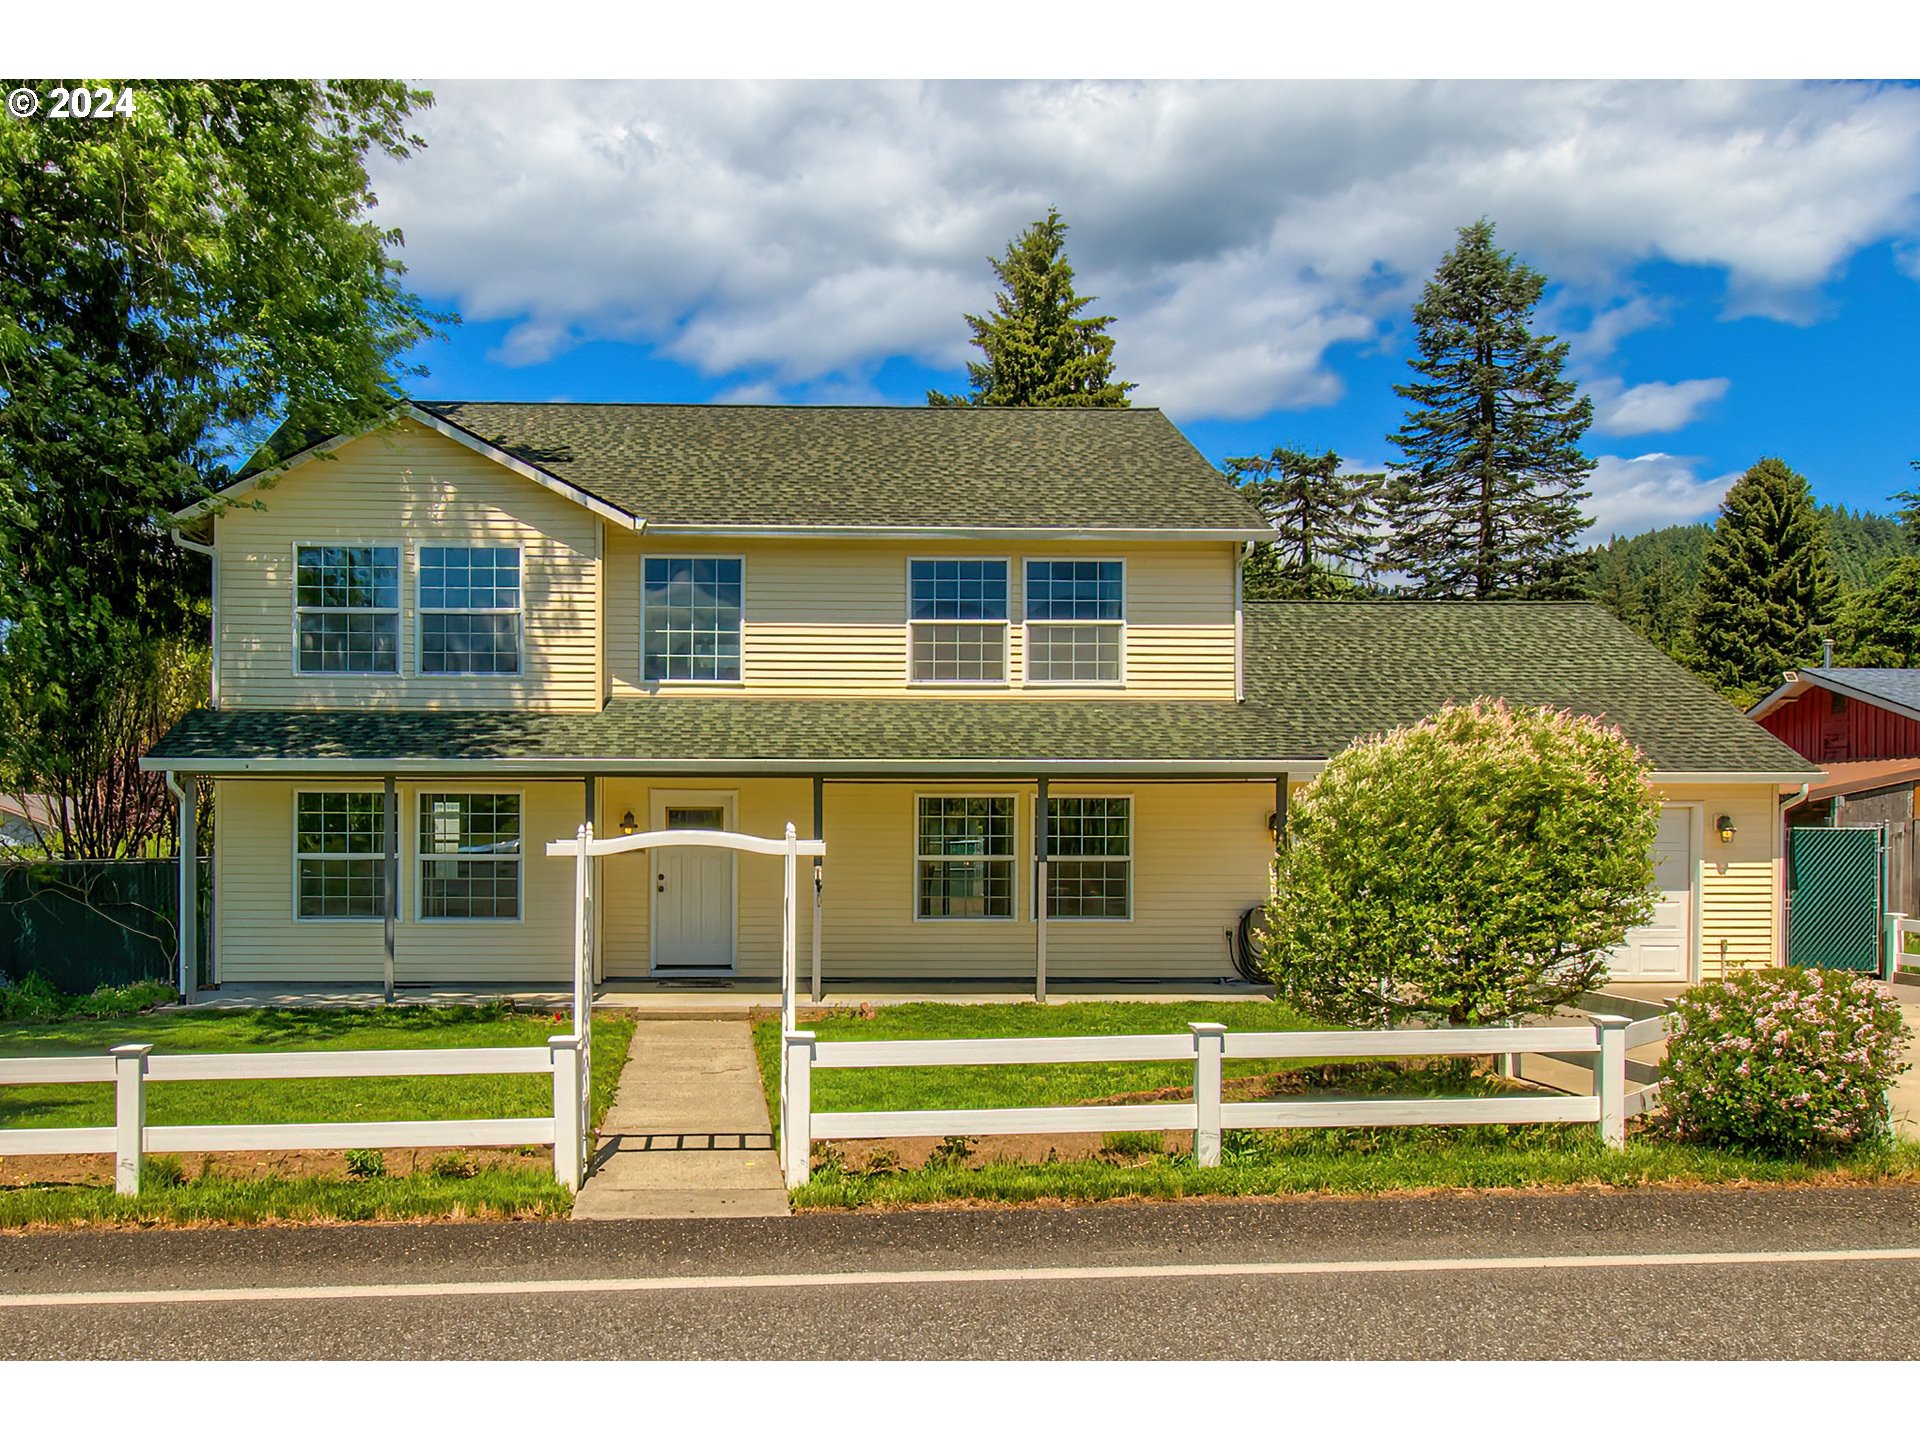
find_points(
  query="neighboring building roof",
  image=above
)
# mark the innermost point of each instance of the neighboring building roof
(1858, 777)
(1319, 675)
(1896, 690)
(912, 467)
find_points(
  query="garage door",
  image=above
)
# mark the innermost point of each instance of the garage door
(1658, 949)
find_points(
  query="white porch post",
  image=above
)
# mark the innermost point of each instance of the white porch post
(392, 872)
(1040, 895)
(188, 930)
(819, 833)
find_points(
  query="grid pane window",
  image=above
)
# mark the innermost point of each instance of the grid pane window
(1074, 625)
(340, 854)
(469, 610)
(964, 855)
(1089, 858)
(347, 600)
(470, 857)
(957, 612)
(692, 609)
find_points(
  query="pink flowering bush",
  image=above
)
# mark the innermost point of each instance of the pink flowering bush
(1789, 1061)
(1468, 869)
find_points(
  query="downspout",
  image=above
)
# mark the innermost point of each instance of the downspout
(1240, 621)
(213, 624)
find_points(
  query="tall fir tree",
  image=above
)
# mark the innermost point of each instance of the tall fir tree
(1486, 500)
(1039, 348)
(1767, 587)
(1324, 523)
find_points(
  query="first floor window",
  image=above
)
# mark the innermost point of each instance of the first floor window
(692, 625)
(340, 849)
(1089, 858)
(964, 857)
(347, 609)
(469, 610)
(957, 621)
(1074, 612)
(469, 857)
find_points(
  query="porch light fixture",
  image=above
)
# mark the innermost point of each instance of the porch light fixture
(627, 827)
(1725, 826)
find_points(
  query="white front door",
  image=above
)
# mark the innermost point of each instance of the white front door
(693, 892)
(1659, 950)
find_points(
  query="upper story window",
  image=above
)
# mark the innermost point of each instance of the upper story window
(1075, 621)
(347, 608)
(469, 604)
(957, 621)
(691, 618)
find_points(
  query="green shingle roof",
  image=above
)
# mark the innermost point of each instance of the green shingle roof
(930, 467)
(1319, 675)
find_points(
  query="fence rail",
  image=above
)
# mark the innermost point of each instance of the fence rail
(1605, 1041)
(131, 1068)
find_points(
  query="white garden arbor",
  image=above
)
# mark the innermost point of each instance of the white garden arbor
(585, 849)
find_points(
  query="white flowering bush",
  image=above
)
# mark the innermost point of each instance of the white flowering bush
(1471, 868)
(1788, 1061)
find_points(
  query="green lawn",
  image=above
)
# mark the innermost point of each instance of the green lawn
(499, 1188)
(259, 1102)
(1302, 1162)
(949, 1087)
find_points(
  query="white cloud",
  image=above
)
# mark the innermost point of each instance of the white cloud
(1645, 492)
(1657, 405)
(799, 234)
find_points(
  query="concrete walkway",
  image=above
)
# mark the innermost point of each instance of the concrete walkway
(688, 1134)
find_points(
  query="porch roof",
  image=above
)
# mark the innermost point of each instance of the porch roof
(1319, 675)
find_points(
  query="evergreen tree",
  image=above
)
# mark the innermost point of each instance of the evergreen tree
(1881, 626)
(1767, 586)
(1323, 524)
(1909, 512)
(1040, 349)
(1487, 499)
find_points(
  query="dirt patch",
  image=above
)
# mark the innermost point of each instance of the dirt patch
(18, 1171)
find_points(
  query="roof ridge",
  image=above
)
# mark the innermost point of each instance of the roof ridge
(795, 405)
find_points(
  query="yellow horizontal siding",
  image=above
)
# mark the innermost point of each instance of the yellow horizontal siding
(1739, 882)
(260, 940)
(829, 617)
(408, 487)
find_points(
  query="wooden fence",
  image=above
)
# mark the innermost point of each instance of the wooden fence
(131, 1068)
(1603, 1044)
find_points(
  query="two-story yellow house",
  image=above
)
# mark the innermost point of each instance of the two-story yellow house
(968, 647)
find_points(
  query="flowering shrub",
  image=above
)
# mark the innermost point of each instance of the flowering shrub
(1473, 867)
(1789, 1061)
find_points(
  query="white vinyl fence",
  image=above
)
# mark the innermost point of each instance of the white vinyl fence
(1602, 1044)
(131, 1068)
(1899, 928)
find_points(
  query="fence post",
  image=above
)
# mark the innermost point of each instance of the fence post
(129, 1115)
(1610, 1079)
(1895, 940)
(1209, 1045)
(568, 1136)
(796, 1109)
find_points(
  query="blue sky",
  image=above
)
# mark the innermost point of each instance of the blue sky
(1736, 266)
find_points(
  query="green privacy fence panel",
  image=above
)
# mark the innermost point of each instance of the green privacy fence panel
(1833, 898)
(87, 923)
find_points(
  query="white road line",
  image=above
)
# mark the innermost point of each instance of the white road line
(613, 1285)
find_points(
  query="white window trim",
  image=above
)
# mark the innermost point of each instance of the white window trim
(400, 594)
(645, 682)
(1133, 836)
(518, 611)
(400, 846)
(1026, 624)
(1012, 858)
(421, 857)
(1006, 627)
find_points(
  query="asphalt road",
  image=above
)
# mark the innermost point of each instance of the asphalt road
(1759, 1274)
